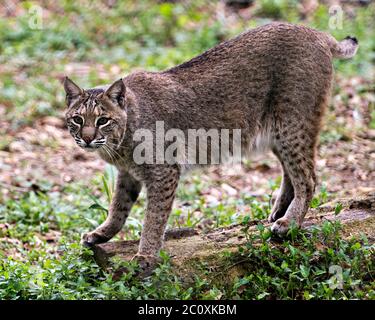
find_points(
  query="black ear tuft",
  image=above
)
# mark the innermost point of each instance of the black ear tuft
(72, 90)
(116, 92)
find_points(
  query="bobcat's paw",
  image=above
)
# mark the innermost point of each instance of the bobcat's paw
(92, 238)
(275, 215)
(147, 263)
(282, 225)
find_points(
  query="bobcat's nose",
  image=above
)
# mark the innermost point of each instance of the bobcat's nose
(88, 134)
(88, 139)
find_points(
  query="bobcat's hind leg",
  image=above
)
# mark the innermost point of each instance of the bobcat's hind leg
(285, 195)
(126, 193)
(296, 152)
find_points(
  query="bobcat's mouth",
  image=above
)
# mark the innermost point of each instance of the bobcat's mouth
(91, 147)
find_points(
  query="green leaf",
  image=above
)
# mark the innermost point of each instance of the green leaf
(106, 189)
(98, 206)
(356, 246)
(262, 295)
(305, 271)
(338, 208)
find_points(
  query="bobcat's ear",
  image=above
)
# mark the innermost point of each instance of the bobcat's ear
(116, 93)
(72, 91)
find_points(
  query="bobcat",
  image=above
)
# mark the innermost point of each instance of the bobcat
(272, 82)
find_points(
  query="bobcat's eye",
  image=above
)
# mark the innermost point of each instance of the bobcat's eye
(78, 120)
(102, 121)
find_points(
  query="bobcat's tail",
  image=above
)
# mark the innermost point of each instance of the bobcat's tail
(344, 49)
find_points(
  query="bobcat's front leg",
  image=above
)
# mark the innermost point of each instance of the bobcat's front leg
(126, 193)
(160, 195)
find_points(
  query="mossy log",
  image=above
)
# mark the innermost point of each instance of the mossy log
(190, 249)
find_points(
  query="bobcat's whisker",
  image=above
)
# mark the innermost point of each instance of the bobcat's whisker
(113, 145)
(114, 152)
(110, 154)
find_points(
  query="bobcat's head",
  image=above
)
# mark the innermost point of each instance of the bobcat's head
(96, 117)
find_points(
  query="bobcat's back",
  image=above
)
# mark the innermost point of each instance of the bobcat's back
(237, 83)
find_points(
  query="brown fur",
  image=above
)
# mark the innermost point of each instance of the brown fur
(271, 82)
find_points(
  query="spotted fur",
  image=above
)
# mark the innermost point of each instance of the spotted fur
(272, 82)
